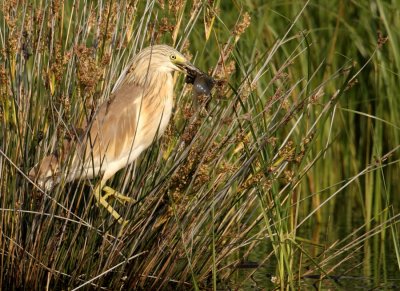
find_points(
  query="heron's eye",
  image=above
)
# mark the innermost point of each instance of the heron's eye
(173, 57)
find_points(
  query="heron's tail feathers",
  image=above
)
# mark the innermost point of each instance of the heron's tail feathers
(47, 173)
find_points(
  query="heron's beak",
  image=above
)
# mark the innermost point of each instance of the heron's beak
(189, 69)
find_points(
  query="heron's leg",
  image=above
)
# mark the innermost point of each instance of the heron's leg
(100, 200)
(117, 195)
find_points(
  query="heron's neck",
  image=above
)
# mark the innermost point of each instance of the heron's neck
(150, 78)
(157, 85)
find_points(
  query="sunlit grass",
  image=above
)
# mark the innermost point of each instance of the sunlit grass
(302, 133)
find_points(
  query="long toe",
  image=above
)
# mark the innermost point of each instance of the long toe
(100, 200)
(110, 192)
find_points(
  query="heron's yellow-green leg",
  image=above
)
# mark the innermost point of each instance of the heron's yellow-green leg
(100, 200)
(117, 195)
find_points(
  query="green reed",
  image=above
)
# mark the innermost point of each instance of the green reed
(301, 133)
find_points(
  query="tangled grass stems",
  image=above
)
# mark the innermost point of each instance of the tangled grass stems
(249, 169)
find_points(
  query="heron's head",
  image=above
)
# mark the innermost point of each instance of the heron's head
(163, 58)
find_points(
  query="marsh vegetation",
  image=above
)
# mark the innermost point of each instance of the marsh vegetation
(286, 176)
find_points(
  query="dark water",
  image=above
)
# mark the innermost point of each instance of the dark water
(366, 264)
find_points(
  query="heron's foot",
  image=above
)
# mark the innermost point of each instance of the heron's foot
(110, 192)
(101, 200)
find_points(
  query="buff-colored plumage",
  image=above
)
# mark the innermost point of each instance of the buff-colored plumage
(137, 113)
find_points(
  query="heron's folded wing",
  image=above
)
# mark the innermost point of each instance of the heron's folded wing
(113, 128)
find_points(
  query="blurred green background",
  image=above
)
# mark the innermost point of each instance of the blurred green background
(286, 178)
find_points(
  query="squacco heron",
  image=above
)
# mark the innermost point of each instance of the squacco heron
(136, 114)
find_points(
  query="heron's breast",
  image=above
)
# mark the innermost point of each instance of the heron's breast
(155, 120)
(157, 111)
(152, 117)
(166, 115)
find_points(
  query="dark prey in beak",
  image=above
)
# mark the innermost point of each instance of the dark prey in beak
(202, 83)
